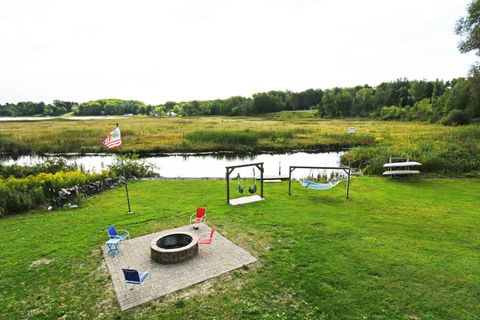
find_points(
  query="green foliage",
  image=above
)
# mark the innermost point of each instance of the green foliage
(453, 154)
(245, 138)
(131, 166)
(455, 118)
(469, 28)
(50, 165)
(421, 111)
(22, 194)
(29, 108)
(23, 188)
(112, 107)
(272, 101)
(392, 113)
(402, 99)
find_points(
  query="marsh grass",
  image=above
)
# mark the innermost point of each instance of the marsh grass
(143, 135)
(225, 138)
(443, 150)
(454, 153)
(232, 140)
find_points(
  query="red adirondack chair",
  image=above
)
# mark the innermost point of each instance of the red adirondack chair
(198, 217)
(206, 240)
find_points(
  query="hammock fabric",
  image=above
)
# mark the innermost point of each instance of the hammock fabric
(319, 186)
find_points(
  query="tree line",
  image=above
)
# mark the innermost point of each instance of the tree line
(451, 102)
(29, 108)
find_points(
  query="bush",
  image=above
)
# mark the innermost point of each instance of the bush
(51, 165)
(133, 166)
(392, 113)
(22, 194)
(455, 118)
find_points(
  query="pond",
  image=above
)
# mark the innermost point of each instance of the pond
(203, 165)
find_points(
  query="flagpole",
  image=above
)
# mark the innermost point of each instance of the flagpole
(125, 177)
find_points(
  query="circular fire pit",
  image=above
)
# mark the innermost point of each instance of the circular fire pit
(174, 247)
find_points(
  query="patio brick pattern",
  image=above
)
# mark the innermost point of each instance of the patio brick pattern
(211, 261)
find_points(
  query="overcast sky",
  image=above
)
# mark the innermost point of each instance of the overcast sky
(154, 50)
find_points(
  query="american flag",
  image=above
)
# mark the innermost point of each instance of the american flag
(113, 139)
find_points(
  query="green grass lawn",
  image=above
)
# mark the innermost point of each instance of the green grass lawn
(395, 250)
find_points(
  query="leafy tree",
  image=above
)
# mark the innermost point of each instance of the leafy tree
(303, 100)
(191, 108)
(468, 27)
(169, 105)
(392, 113)
(455, 118)
(67, 105)
(421, 111)
(363, 102)
(53, 110)
(472, 87)
(266, 102)
(419, 90)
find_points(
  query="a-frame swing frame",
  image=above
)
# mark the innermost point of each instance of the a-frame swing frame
(230, 169)
(292, 168)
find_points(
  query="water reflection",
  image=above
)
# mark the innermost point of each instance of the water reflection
(205, 165)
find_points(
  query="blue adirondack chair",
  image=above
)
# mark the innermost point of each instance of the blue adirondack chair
(134, 277)
(118, 234)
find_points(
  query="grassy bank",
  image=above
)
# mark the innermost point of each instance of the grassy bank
(453, 153)
(395, 250)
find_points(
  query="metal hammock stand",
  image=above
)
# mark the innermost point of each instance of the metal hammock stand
(320, 187)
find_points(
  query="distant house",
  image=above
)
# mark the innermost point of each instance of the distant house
(171, 114)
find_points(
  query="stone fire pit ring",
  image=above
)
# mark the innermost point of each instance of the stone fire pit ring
(174, 247)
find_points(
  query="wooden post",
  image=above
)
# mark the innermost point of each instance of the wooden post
(348, 181)
(261, 180)
(228, 185)
(290, 181)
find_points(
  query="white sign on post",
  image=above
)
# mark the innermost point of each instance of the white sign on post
(351, 130)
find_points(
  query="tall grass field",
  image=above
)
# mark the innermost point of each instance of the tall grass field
(443, 151)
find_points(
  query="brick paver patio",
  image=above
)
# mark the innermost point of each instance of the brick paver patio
(210, 262)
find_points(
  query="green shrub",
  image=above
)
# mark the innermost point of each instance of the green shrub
(22, 194)
(132, 166)
(455, 118)
(51, 165)
(392, 113)
(452, 154)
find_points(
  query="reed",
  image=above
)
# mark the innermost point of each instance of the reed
(453, 154)
(444, 150)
